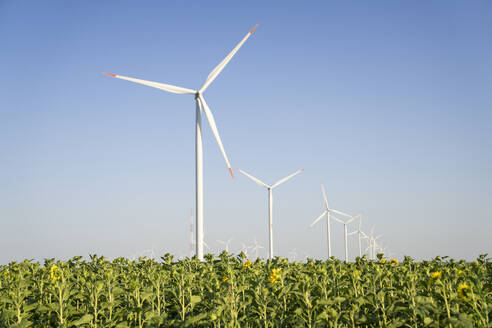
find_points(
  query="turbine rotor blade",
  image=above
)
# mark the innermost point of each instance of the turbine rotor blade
(324, 195)
(162, 86)
(286, 178)
(319, 218)
(352, 219)
(352, 233)
(254, 179)
(216, 71)
(213, 126)
(340, 213)
(337, 219)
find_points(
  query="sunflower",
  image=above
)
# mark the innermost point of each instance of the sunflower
(460, 272)
(382, 261)
(436, 275)
(55, 273)
(274, 275)
(395, 261)
(224, 279)
(247, 264)
(356, 274)
(463, 291)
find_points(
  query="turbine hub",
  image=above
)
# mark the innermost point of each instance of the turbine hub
(197, 94)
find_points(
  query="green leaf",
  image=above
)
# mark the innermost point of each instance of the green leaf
(86, 318)
(191, 321)
(195, 299)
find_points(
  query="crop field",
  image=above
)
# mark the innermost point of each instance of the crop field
(231, 291)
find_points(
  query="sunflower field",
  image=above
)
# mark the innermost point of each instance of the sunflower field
(231, 291)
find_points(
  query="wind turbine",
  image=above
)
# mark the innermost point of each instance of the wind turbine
(256, 247)
(270, 200)
(200, 104)
(359, 232)
(372, 244)
(244, 249)
(327, 212)
(345, 232)
(225, 243)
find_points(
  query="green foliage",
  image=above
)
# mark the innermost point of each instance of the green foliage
(228, 291)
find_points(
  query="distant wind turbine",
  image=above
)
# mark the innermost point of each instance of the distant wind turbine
(345, 233)
(359, 233)
(270, 200)
(225, 243)
(256, 247)
(327, 212)
(200, 104)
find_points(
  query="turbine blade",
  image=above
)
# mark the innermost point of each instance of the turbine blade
(340, 213)
(324, 195)
(352, 219)
(211, 77)
(337, 219)
(255, 180)
(319, 218)
(211, 122)
(162, 86)
(286, 178)
(352, 233)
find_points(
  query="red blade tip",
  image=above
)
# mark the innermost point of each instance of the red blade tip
(232, 174)
(109, 74)
(254, 28)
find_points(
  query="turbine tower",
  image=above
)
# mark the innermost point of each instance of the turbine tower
(360, 233)
(327, 212)
(200, 105)
(270, 201)
(345, 233)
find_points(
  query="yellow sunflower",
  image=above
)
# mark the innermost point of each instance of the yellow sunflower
(55, 273)
(395, 261)
(274, 275)
(436, 275)
(463, 291)
(247, 264)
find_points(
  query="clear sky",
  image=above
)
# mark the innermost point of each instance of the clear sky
(387, 103)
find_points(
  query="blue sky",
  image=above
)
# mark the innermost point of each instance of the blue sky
(388, 104)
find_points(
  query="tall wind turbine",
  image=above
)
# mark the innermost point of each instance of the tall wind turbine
(327, 212)
(270, 200)
(359, 233)
(200, 104)
(256, 247)
(225, 243)
(345, 232)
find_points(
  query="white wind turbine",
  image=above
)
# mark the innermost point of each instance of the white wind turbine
(327, 212)
(256, 247)
(345, 233)
(372, 244)
(270, 200)
(200, 104)
(244, 249)
(225, 243)
(360, 234)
